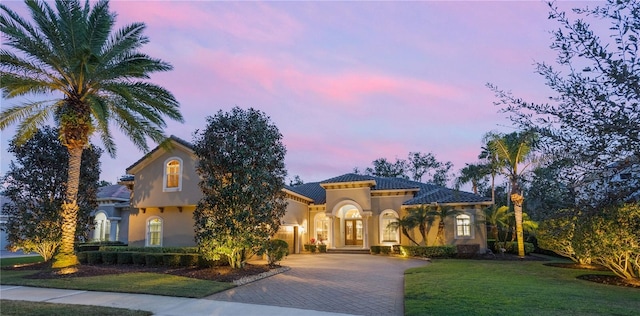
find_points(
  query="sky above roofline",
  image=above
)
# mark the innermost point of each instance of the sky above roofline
(345, 82)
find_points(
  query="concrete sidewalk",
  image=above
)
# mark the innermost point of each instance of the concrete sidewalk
(158, 305)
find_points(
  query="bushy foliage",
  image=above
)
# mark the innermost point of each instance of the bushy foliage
(428, 252)
(150, 249)
(94, 257)
(512, 247)
(613, 240)
(109, 257)
(375, 250)
(467, 251)
(124, 257)
(154, 259)
(35, 187)
(241, 166)
(276, 250)
(556, 234)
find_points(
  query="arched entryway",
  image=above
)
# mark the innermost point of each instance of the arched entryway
(350, 225)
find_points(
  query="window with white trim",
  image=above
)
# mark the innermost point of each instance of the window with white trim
(463, 226)
(388, 233)
(172, 175)
(322, 227)
(154, 232)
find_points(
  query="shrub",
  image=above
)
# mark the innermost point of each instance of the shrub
(171, 260)
(109, 257)
(395, 249)
(124, 257)
(189, 259)
(512, 247)
(428, 252)
(150, 249)
(139, 258)
(385, 250)
(82, 257)
(206, 263)
(375, 250)
(153, 259)
(556, 234)
(322, 248)
(467, 251)
(97, 245)
(94, 257)
(275, 249)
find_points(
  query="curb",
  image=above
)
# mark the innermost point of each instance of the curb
(263, 275)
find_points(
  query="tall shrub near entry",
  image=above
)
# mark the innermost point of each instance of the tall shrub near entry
(242, 172)
(557, 235)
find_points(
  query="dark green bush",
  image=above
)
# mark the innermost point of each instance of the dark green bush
(429, 252)
(204, 263)
(109, 257)
(171, 260)
(95, 245)
(313, 248)
(153, 259)
(385, 250)
(512, 247)
(275, 249)
(82, 257)
(375, 250)
(189, 259)
(322, 248)
(395, 249)
(94, 257)
(125, 257)
(139, 258)
(151, 249)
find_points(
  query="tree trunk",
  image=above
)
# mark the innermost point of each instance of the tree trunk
(440, 238)
(517, 200)
(69, 214)
(406, 233)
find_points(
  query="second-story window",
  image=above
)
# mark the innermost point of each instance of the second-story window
(173, 175)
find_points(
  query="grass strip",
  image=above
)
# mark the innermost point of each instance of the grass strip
(5, 262)
(24, 308)
(139, 282)
(479, 287)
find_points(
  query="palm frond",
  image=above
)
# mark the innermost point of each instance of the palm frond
(30, 116)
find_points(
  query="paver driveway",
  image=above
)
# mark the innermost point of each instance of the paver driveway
(356, 284)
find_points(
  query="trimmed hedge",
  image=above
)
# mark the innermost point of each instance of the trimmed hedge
(512, 247)
(139, 258)
(429, 252)
(189, 259)
(171, 260)
(96, 245)
(109, 257)
(150, 249)
(125, 257)
(94, 257)
(322, 248)
(375, 250)
(153, 259)
(82, 257)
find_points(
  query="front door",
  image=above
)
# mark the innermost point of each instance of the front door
(353, 232)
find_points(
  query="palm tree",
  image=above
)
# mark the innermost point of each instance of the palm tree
(100, 75)
(513, 150)
(441, 213)
(492, 166)
(404, 224)
(496, 218)
(474, 173)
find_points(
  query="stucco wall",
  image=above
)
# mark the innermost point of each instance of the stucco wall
(177, 230)
(148, 186)
(362, 196)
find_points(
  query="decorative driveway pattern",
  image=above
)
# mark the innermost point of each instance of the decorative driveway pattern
(357, 284)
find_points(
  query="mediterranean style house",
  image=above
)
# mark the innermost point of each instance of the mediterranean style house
(111, 218)
(348, 211)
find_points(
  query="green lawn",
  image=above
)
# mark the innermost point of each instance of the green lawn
(144, 283)
(23, 308)
(19, 260)
(486, 287)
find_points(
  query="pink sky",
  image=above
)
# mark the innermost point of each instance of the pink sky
(345, 82)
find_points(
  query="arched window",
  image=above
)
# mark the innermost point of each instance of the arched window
(173, 174)
(463, 226)
(389, 234)
(154, 232)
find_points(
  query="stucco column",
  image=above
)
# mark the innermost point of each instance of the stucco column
(331, 240)
(97, 227)
(113, 231)
(365, 229)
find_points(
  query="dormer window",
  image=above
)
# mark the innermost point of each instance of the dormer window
(173, 175)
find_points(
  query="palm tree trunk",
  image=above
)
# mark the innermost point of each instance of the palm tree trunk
(406, 233)
(66, 256)
(517, 200)
(440, 237)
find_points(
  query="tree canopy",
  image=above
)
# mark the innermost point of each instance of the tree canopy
(241, 164)
(35, 185)
(416, 167)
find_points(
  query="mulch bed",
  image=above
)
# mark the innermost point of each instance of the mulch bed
(221, 273)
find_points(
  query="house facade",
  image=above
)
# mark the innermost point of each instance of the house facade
(111, 218)
(347, 211)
